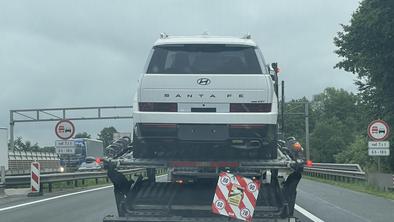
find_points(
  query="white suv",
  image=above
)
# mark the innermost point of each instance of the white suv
(205, 97)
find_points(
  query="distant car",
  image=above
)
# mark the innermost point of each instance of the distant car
(90, 164)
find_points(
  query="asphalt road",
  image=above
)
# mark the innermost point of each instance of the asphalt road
(326, 202)
(84, 207)
(331, 203)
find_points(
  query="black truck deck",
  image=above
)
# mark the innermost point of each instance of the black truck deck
(168, 201)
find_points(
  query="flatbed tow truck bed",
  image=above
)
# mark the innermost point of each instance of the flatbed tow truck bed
(166, 201)
(189, 193)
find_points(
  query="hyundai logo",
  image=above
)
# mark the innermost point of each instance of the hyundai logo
(203, 81)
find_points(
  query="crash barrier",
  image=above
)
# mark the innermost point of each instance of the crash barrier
(336, 172)
(338, 166)
(75, 178)
(19, 162)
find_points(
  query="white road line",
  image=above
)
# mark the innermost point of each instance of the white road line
(53, 198)
(61, 196)
(307, 214)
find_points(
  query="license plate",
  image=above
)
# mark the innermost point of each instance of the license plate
(203, 132)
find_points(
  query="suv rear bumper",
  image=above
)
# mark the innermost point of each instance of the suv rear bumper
(205, 118)
(242, 136)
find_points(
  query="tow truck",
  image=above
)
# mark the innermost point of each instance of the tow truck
(205, 106)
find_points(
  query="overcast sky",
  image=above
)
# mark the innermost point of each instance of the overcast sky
(91, 53)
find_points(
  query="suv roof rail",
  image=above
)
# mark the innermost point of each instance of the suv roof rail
(163, 35)
(247, 36)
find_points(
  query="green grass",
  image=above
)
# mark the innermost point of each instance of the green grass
(358, 186)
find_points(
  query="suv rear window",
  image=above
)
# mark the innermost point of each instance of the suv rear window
(204, 59)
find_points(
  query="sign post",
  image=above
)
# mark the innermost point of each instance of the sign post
(378, 131)
(65, 130)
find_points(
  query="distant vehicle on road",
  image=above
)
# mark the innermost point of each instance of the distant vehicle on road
(91, 164)
(82, 149)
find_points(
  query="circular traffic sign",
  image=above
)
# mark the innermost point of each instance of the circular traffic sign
(219, 204)
(64, 129)
(225, 180)
(252, 187)
(245, 213)
(378, 130)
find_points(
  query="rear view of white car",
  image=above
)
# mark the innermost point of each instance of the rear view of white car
(205, 97)
(91, 164)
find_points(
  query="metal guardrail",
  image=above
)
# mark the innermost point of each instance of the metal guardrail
(50, 179)
(338, 166)
(337, 172)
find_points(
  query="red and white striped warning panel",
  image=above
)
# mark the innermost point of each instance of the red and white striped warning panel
(35, 177)
(235, 196)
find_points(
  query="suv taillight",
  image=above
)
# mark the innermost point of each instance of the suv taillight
(158, 107)
(250, 107)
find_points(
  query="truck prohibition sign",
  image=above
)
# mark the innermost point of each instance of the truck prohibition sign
(64, 129)
(378, 130)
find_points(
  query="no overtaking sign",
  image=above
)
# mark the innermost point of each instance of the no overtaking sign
(64, 129)
(378, 131)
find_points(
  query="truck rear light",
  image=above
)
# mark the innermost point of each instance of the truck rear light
(158, 107)
(250, 107)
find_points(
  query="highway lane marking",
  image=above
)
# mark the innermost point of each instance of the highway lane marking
(54, 198)
(308, 214)
(60, 196)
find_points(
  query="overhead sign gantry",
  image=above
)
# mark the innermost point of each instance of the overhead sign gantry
(72, 113)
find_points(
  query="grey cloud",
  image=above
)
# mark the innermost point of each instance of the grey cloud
(86, 53)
